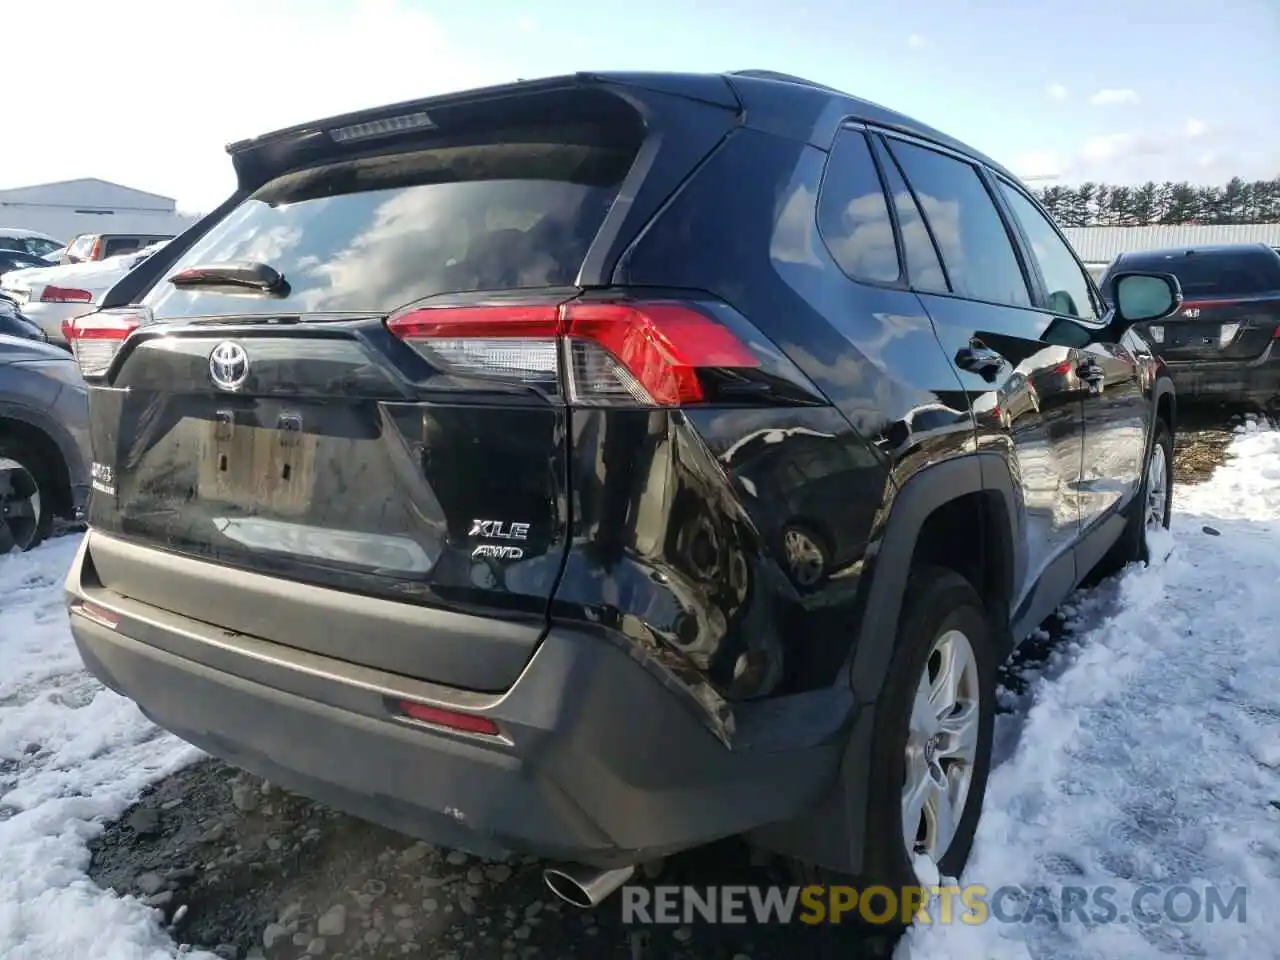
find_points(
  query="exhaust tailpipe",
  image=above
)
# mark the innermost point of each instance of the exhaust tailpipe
(584, 886)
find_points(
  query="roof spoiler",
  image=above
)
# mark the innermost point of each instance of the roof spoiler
(583, 98)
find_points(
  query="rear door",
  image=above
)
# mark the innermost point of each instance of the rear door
(1026, 400)
(1107, 375)
(309, 434)
(1231, 303)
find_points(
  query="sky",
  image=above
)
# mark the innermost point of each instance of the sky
(149, 92)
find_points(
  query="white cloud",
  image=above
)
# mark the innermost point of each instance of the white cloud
(1172, 153)
(214, 79)
(1057, 91)
(1039, 164)
(917, 42)
(1114, 97)
(1105, 147)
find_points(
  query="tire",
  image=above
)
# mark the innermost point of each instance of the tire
(1147, 512)
(941, 609)
(16, 533)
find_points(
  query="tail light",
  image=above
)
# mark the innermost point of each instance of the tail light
(65, 295)
(96, 338)
(1157, 332)
(1227, 333)
(645, 353)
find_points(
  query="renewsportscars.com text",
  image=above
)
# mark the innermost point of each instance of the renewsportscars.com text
(972, 904)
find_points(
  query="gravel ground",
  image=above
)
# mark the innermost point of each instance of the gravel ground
(1202, 438)
(240, 867)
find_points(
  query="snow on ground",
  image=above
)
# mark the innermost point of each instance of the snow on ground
(72, 755)
(1152, 754)
(1149, 752)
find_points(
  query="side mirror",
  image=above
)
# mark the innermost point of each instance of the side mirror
(1138, 297)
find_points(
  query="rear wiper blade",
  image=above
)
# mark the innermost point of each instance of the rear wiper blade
(248, 274)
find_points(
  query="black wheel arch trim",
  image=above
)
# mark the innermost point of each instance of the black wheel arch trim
(1164, 387)
(922, 494)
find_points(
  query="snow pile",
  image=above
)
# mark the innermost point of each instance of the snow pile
(72, 754)
(1153, 755)
(1148, 752)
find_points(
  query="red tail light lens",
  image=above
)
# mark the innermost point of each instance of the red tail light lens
(95, 338)
(450, 719)
(645, 353)
(65, 295)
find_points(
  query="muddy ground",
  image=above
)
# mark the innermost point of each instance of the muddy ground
(240, 867)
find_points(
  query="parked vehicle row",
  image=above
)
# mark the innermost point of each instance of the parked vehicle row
(694, 446)
(44, 453)
(53, 296)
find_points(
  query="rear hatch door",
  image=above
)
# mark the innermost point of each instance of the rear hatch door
(295, 441)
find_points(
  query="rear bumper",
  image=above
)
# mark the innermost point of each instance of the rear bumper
(1254, 381)
(598, 761)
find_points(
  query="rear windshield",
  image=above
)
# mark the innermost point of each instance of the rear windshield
(118, 245)
(369, 236)
(1214, 274)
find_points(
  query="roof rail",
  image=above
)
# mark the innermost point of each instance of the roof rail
(782, 77)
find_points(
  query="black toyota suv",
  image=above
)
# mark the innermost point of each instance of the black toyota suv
(1224, 342)
(599, 466)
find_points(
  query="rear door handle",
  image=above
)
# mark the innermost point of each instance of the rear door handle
(980, 359)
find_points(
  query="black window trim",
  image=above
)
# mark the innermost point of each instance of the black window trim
(882, 147)
(903, 281)
(1032, 281)
(1099, 304)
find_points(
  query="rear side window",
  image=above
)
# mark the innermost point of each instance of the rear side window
(372, 235)
(32, 245)
(924, 269)
(1214, 273)
(975, 246)
(853, 214)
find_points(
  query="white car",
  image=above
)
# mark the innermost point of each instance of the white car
(50, 296)
(29, 241)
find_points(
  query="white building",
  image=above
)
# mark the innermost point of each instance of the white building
(1098, 246)
(71, 207)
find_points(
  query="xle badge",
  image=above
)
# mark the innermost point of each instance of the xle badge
(498, 530)
(102, 478)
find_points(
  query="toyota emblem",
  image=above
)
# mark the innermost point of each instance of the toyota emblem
(229, 366)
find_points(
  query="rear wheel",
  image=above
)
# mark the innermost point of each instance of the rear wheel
(932, 740)
(26, 497)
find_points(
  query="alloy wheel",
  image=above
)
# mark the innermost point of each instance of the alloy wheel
(942, 747)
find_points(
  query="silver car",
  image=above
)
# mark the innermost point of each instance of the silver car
(44, 446)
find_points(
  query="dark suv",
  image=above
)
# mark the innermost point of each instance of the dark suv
(475, 468)
(1224, 342)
